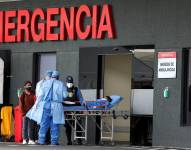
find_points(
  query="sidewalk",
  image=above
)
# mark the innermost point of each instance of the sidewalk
(12, 146)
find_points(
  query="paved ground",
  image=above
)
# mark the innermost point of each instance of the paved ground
(46, 147)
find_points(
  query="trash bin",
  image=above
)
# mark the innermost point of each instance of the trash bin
(17, 124)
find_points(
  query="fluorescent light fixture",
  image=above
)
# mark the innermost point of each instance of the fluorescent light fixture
(144, 50)
(9, 0)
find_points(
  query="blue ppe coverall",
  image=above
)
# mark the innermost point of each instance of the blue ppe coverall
(49, 109)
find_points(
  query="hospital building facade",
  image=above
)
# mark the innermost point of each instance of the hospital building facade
(139, 50)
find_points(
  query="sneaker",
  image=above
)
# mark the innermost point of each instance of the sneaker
(54, 144)
(31, 142)
(39, 143)
(24, 141)
(69, 143)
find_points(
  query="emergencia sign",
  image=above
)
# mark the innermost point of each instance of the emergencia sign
(57, 24)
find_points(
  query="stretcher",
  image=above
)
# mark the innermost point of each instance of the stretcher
(80, 115)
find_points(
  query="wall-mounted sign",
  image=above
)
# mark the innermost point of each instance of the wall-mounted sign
(167, 65)
(55, 24)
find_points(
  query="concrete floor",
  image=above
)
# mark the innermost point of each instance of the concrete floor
(12, 146)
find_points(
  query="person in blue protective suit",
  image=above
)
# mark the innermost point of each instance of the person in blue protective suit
(48, 110)
(47, 76)
(74, 95)
(54, 93)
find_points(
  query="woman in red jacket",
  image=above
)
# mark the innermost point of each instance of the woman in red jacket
(26, 101)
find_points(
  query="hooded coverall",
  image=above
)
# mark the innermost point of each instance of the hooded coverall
(49, 109)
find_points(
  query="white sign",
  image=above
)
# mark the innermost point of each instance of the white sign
(167, 65)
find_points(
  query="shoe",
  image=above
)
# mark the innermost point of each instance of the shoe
(79, 142)
(54, 144)
(40, 144)
(25, 142)
(31, 142)
(69, 143)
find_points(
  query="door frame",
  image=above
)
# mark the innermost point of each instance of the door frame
(36, 65)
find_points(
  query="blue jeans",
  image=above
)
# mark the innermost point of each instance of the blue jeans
(46, 123)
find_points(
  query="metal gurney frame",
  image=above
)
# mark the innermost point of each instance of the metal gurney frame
(106, 130)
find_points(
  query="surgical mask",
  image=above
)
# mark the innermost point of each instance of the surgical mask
(69, 85)
(28, 88)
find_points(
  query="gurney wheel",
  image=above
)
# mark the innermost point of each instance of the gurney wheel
(75, 142)
(84, 142)
(101, 143)
(112, 143)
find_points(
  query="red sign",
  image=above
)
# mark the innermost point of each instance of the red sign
(55, 24)
(166, 54)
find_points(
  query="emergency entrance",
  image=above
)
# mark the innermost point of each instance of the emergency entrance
(44, 62)
(127, 72)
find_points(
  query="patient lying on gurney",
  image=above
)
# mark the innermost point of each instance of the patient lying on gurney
(107, 102)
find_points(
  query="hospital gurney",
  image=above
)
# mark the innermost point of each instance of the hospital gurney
(80, 128)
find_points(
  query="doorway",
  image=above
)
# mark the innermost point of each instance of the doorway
(1, 79)
(5, 76)
(126, 71)
(130, 75)
(117, 81)
(142, 96)
(44, 62)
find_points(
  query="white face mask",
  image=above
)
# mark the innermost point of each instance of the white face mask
(69, 85)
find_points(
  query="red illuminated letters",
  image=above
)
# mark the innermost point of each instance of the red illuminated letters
(38, 30)
(1, 26)
(105, 23)
(10, 26)
(51, 23)
(67, 25)
(82, 32)
(95, 21)
(55, 24)
(23, 26)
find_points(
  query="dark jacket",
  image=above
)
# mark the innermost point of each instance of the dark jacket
(26, 102)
